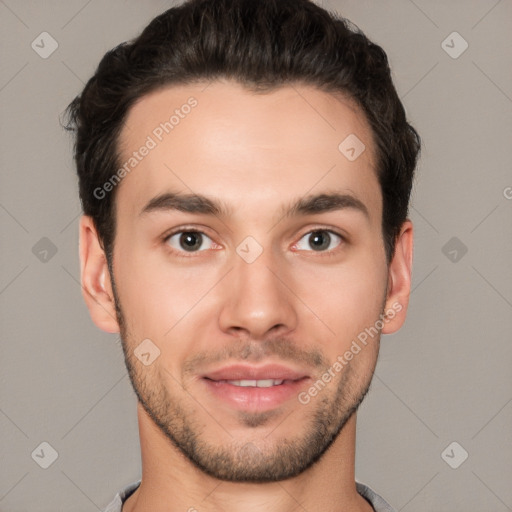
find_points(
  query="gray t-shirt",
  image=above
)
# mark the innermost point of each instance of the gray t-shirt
(378, 503)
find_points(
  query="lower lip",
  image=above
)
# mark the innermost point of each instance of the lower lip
(253, 398)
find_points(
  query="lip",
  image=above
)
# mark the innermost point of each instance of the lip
(248, 372)
(254, 399)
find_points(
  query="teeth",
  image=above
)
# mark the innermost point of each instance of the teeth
(264, 383)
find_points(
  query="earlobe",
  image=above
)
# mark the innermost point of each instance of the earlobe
(95, 278)
(399, 280)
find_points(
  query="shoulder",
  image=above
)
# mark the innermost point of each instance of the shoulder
(117, 503)
(375, 500)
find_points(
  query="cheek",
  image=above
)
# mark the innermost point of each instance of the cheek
(348, 297)
(156, 296)
(350, 305)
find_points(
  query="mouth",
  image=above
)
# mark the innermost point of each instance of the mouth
(262, 383)
(254, 389)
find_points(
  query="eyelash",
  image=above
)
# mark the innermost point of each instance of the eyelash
(181, 230)
(185, 229)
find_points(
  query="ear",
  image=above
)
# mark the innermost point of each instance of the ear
(399, 280)
(95, 278)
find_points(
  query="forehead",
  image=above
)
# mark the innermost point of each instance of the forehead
(249, 149)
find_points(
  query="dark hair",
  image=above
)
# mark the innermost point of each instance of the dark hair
(262, 44)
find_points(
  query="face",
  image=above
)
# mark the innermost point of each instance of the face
(249, 256)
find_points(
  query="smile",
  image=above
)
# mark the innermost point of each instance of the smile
(263, 383)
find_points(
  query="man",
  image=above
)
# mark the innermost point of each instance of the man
(245, 171)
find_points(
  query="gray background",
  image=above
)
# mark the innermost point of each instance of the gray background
(445, 377)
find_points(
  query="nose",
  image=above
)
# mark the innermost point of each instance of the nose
(258, 299)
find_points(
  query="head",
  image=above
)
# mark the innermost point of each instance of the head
(255, 107)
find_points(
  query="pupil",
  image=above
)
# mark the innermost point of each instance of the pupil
(190, 240)
(319, 240)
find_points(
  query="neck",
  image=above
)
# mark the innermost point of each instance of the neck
(171, 483)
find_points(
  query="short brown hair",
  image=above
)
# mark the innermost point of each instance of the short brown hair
(262, 44)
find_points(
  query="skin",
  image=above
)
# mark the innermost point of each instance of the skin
(257, 153)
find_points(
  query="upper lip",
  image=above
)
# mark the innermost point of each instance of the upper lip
(248, 372)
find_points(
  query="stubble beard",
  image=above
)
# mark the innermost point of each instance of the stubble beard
(256, 461)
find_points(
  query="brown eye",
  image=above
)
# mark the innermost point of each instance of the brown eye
(320, 240)
(189, 241)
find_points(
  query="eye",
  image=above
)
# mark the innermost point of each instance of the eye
(189, 241)
(320, 240)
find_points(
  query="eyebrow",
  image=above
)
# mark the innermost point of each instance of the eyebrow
(326, 202)
(200, 204)
(188, 203)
